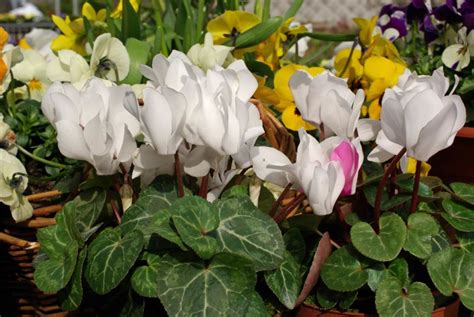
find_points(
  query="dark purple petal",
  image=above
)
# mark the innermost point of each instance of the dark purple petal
(447, 13)
(400, 25)
(419, 4)
(430, 31)
(467, 6)
(415, 12)
(468, 21)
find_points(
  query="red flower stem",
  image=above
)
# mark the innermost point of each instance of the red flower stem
(179, 176)
(204, 186)
(286, 211)
(416, 186)
(322, 134)
(116, 211)
(378, 196)
(277, 202)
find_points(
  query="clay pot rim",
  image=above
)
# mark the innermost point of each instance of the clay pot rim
(456, 301)
(466, 132)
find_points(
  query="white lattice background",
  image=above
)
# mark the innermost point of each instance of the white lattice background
(331, 13)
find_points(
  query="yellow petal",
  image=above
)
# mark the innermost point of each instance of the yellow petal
(89, 12)
(411, 167)
(292, 119)
(376, 89)
(62, 25)
(265, 94)
(101, 15)
(366, 29)
(24, 44)
(374, 110)
(221, 26)
(283, 75)
(354, 70)
(62, 42)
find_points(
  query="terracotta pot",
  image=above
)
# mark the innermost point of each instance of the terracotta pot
(312, 311)
(455, 164)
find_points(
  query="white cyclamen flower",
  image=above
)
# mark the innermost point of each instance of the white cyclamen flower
(319, 177)
(13, 182)
(208, 55)
(327, 99)
(421, 119)
(93, 125)
(458, 56)
(110, 59)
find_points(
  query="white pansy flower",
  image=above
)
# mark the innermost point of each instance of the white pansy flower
(458, 56)
(7, 137)
(208, 55)
(40, 41)
(32, 71)
(110, 59)
(69, 67)
(11, 55)
(13, 182)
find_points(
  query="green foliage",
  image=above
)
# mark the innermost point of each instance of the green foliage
(421, 229)
(384, 246)
(392, 299)
(139, 52)
(459, 215)
(452, 270)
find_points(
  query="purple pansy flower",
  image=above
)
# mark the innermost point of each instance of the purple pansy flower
(393, 17)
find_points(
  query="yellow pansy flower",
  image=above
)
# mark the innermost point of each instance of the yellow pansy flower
(290, 115)
(354, 70)
(381, 73)
(230, 24)
(272, 49)
(73, 35)
(117, 13)
(265, 94)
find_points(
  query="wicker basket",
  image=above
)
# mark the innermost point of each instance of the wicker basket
(20, 296)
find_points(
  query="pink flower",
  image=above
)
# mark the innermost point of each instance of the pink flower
(349, 155)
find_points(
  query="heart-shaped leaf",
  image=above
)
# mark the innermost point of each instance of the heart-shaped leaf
(466, 241)
(345, 270)
(452, 270)
(458, 215)
(464, 191)
(295, 244)
(221, 287)
(60, 243)
(110, 258)
(328, 299)
(387, 201)
(245, 230)
(440, 241)
(384, 246)
(256, 307)
(71, 296)
(421, 229)
(138, 52)
(141, 215)
(89, 206)
(195, 219)
(423, 189)
(145, 278)
(285, 282)
(161, 227)
(392, 299)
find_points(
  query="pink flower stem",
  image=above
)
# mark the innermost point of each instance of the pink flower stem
(322, 134)
(179, 176)
(416, 186)
(378, 196)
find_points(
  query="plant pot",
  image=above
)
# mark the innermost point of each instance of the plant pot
(454, 164)
(18, 248)
(305, 310)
